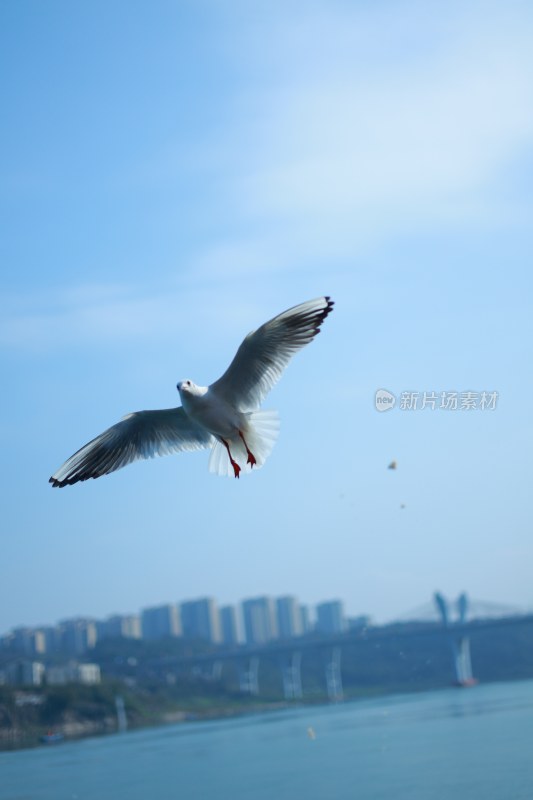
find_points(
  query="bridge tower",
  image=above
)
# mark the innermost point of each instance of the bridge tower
(462, 608)
(462, 661)
(291, 674)
(249, 675)
(442, 608)
(459, 640)
(333, 674)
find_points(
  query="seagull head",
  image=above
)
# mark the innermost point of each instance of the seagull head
(188, 387)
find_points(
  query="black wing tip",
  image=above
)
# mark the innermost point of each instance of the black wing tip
(68, 481)
(323, 312)
(308, 317)
(329, 306)
(60, 484)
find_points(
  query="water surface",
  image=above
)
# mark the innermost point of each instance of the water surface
(456, 743)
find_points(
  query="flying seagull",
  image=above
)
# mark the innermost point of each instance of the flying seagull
(224, 416)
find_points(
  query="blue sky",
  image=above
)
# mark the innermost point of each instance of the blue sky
(173, 175)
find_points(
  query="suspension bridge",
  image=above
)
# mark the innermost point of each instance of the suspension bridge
(454, 621)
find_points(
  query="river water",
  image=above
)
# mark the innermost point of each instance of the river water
(465, 744)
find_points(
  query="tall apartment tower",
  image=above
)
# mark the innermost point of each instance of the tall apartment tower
(260, 624)
(126, 625)
(200, 619)
(160, 621)
(78, 635)
(229, 626)
(330, 617)
(30, 641)
(289, 614)
(306, 620)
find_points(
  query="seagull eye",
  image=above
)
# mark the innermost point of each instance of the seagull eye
(188, 383)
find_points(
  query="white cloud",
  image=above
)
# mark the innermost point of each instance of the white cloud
(374, 150)
(352, 125)
(349, 123)
(358, 123)
(92, 313)
(100, 316)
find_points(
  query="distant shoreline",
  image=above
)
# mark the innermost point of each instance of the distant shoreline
(24, 738)
(29, 737)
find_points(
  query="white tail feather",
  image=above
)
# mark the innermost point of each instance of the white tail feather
(261, 431)
(219, 462)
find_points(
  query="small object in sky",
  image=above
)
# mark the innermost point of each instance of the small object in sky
(392, 465)
(402, 505)
(311, 733)
(224, 416)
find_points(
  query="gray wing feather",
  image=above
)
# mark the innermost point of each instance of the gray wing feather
(143, 434)
(264, 353)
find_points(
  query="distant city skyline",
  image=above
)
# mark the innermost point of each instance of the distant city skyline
(255, 620)
(268, 615)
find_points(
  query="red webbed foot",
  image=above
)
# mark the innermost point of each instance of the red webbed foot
(236, 468)
(251, 458)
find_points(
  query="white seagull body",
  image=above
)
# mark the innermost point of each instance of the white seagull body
(224, 416)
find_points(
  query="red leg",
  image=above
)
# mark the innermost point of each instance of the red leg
(251, 457)
(236, 468)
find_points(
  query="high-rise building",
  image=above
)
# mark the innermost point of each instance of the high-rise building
(228, 624)
(289, 617)
(78, 635)
(260, 624)
(200, 619)
(53, 637)
(30, 641)
(126, 625)
(306, 621)
(160, 621)
(330, 617)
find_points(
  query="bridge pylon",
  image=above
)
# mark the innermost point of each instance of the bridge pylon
(459, 641)
(291, 674)
(249, 675)
(333, 675)
(462, 661)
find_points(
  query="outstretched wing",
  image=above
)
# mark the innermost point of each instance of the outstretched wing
(264, 353)
(143, 434)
